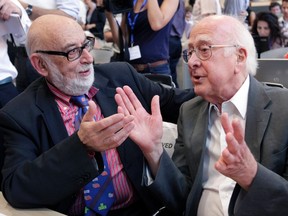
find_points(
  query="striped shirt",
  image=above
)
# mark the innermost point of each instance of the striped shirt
(123, 189)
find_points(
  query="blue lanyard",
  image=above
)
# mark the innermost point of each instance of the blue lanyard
(132, 22)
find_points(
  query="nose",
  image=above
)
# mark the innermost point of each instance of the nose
(193, 63)
(86, 57)
(262, 32)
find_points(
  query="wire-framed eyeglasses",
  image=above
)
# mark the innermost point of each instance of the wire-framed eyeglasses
(203, 52)
(74, 53)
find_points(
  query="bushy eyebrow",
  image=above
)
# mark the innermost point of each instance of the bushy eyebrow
(199, 42)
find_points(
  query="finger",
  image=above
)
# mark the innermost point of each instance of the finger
(155, 106)
(120, 110)
(239, 132)
(226, 159)
(116, 126)
(123, 134)
(109, 121)
(89, 115)
(120, 102)
(232, 144)
(226, 123)
(132, 97)
(116, 134)
(220, 165)
(126, 103)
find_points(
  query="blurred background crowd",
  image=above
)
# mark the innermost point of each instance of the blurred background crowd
(148, 34)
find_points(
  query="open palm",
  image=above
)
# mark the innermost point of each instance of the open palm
(148, 129)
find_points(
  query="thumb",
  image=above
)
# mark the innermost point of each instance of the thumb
(89, 115)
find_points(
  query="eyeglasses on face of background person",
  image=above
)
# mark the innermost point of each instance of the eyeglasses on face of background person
(203, 52)
(74, 53)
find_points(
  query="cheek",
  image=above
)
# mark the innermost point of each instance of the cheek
(68, 70)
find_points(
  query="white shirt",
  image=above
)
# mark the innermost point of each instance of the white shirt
(203, 8)
(6, 67)
(217, 188)
(71, 7)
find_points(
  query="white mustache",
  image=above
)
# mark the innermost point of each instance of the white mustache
(85, 67)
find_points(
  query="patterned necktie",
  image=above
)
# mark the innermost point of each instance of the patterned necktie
(99, 193)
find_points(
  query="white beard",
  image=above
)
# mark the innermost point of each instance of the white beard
(76, 86)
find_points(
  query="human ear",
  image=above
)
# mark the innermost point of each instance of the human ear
(39, 64)
(241, 55)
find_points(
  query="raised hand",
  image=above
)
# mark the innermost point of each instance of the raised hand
(236, 161)
(107, 133)
(148, 129)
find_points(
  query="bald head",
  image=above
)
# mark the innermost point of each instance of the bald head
(50, 31)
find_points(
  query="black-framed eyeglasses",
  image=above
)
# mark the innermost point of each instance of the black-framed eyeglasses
(203, 52)
(74, 53)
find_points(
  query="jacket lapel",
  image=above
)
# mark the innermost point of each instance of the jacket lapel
(51, 115)
(257, 117)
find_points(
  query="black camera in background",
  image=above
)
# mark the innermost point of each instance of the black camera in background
(118, 6)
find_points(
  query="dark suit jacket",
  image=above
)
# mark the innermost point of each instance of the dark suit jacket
(266, 134)
(44, 167)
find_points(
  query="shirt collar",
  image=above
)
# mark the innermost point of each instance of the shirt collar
(239, 100)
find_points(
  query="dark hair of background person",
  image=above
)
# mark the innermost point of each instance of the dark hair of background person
(272, 20)
(274, 4)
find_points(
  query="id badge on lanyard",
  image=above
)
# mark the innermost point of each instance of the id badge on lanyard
(134, 51)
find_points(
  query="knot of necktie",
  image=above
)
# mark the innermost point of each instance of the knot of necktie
(80, 101)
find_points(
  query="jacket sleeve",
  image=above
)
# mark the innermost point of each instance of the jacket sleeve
(269, 191)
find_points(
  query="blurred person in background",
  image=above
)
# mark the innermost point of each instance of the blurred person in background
(266, 25)
(275, 8)
(203, 8)
(8, 72)
(283, 21)
(108, 37)
(237, 9)
(95, 19)
(146, 31)
(175, 45)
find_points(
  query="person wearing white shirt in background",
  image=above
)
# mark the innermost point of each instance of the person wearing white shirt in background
(7, 70)
(189, 21)
(237, 9)
(61, 7)
(283, 21)
(203, 8)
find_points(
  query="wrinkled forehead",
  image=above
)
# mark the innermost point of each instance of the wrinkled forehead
(210, 33)
(66, 37)
(56, 34)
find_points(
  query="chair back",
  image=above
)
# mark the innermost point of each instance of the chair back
(273, 71)
(274, 53)
(164, 79)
